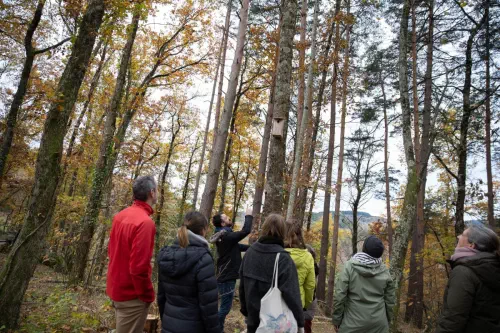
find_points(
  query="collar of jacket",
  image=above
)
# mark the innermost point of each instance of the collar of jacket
(271, 240)
(227, 229)
(144, 205)
(197, 240)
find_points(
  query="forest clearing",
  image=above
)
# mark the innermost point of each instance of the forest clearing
(313, 128)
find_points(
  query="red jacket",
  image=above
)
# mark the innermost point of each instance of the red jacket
(130, 250)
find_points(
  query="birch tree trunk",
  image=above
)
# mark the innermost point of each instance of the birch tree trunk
(215, 164)
(25, 254)
(103, 168)
(275, 174)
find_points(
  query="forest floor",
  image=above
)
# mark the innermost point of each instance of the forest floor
(50, 306)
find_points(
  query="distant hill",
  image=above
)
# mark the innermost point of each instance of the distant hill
(346, 217)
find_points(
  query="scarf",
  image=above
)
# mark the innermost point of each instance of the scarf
(463, 252)
(366, 259)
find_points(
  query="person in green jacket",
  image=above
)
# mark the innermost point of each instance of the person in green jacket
(364, 292)
(304, 262)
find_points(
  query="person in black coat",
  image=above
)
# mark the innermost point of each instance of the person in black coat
(228, 258)
(257, 271)
(472, 296)
(187, 287)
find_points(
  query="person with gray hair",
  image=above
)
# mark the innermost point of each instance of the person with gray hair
(130, 250)
(472, 296)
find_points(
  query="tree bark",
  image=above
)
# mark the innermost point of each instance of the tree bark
(23, 259)
(22, 87)
(325, 234)
(305, 119)
(487, 110)
(207, 127)
(302, 66)
(338, 185)
(275, 174)
(186, 185)
(215, 164)
(225, 39)
(103, 168)
(313, 195)
(264, 150)
(464, 129)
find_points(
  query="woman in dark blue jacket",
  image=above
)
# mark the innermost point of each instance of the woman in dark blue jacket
(187, 287)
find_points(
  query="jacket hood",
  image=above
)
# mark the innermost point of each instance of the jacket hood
(486, 266)
(267, 248)
(367, 270)
(176, 261)
(299, 256)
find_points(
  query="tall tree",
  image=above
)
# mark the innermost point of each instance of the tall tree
(24, 256)
(221, 59)
(215, 164)
(102, 172)
(325, 237)
(305, 118)
(487, 118)
(349, 21)
(277, 148)
(22, 87)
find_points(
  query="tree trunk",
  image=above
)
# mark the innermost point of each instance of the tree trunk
(22, 87)
(215, 164)
(325, 234)
(225, 39)
(207, 127)
(103, 168)
(464, 129)
(313, 195)
(415, 311)
(304, 120)
(487, 109)
(354, 237)
(161, 186)
(264, 150)
(302, 66)
(186, 185)
(24, 257)
(338, 184)
(229, 148)
(386, 168)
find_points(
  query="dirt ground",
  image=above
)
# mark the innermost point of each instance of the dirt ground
(50, 306)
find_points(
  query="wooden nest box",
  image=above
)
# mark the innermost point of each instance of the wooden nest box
(278, 127)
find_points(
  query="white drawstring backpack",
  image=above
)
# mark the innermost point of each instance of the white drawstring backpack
(275, 316)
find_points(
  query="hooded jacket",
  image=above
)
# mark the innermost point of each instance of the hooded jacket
(229, 250)
(256, 277)
(472, 296)
(187, 288)
(364, 298)
(305, 269)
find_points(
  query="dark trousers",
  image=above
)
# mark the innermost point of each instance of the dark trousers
(226, 293)
(308, 326)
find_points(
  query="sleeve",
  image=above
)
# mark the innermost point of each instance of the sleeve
(161, 298)
(243, 247)
(309, 283)
(458, 300)
(341, 290)
(243, 303)
(140, 261)
(237, 236)
(207, 293)
(389, 298)
(288, 284)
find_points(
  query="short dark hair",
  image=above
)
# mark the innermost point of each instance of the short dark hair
(142, 187)
(217, 220)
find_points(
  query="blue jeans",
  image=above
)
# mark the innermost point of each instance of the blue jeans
(226, 293)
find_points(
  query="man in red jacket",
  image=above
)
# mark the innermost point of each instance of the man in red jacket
(130, 250)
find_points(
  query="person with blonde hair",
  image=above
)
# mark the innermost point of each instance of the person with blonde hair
(256, 274)
(304, 262)
(187, 287)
